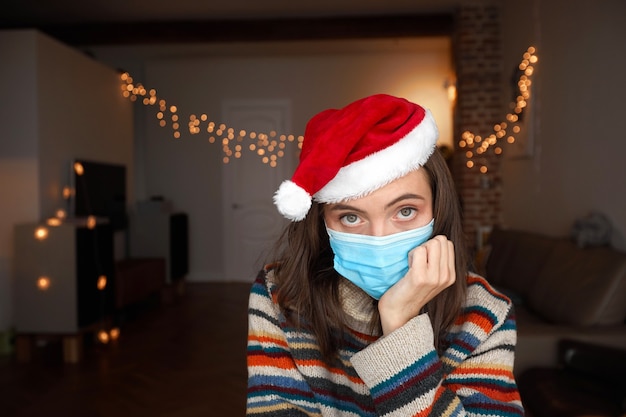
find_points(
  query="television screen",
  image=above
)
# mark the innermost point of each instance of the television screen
(100, 190)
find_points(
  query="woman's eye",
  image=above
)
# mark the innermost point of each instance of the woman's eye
(350, 219)
(406, 213)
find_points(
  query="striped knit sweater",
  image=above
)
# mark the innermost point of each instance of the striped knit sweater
(400, 374)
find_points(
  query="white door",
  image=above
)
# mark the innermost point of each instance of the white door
(251, 221)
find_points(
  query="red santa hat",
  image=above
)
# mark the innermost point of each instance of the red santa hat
(350, 152)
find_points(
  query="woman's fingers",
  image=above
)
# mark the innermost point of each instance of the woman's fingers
(431, 270)
(434, 264)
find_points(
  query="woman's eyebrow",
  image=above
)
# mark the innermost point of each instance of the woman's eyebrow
(407, 196)
(343, 206)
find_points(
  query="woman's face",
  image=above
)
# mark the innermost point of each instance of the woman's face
(404, 204)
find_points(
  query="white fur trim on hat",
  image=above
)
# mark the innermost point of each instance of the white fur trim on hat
(292, 201)
(379, 169)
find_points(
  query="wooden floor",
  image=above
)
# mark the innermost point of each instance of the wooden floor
(184, 358)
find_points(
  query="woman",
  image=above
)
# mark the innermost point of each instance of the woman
(369, 308)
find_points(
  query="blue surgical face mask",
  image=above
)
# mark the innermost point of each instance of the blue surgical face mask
(375, 263)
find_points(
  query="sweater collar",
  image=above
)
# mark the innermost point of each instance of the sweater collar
(358, 306)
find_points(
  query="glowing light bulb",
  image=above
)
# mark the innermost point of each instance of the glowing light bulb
(43, 283)
(114, 334)
(102, 282)
(41, 233)
(53, 221)
(451, 90)
(78, 168)
(67, 192)
(103, 337)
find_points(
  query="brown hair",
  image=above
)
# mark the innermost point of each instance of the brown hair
(308, 285)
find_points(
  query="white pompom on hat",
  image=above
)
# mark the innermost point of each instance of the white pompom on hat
(350, 152)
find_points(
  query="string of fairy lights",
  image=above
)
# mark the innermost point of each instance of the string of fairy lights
(267, 146)
(270, 146)
(510, 128)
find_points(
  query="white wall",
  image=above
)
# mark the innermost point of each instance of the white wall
(19, 173)
(59, 105)
(312, 76)
(577, 163)
(82, 114)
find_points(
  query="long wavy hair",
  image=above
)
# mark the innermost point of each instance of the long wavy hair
(308, 285)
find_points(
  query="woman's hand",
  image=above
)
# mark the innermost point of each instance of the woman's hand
(431, 270)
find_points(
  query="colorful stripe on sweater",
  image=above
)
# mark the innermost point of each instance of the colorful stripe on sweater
(398, 375)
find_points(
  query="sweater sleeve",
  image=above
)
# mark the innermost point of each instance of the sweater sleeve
(275, 386)
(474, 377)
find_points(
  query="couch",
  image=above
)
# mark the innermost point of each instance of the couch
(559, 290)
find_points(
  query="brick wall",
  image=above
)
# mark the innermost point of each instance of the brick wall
(478, 64)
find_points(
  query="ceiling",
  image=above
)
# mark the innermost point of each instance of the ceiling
(46, 12)
(156, 21)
